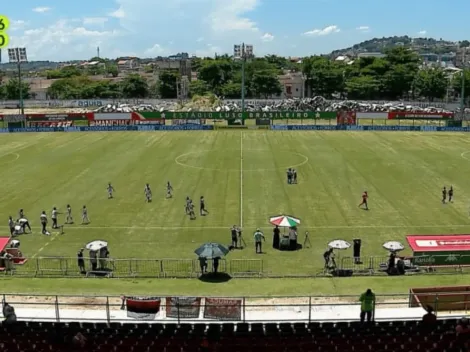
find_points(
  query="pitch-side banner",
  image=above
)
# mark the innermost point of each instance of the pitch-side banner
(183, 307)
(143, 308)
(223, 309)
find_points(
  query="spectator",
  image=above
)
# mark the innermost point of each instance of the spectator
(367, 300)
(429, 319)
(462, 326)
(79, 340)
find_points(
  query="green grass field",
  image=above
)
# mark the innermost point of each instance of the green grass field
(242, 177)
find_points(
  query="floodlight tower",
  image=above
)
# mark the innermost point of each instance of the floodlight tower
(244, 53)
(18, 56)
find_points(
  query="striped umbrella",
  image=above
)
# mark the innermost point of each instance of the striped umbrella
(284, 221)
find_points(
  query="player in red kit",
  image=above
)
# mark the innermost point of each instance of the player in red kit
(364, 200)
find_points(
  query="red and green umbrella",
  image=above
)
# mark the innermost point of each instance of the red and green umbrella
(284, 221)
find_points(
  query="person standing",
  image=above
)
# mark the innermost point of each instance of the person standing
(43, 219)
(54, 215)
(11, 225)
(81, 261)
(451, 194)
(234, 233)
(259, 237)
(85, 219)
(69, 215)
(367, 300)
(276, 237)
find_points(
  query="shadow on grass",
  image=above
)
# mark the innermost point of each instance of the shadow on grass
(215, 278)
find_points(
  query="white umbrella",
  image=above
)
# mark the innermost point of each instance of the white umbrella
(393, 246)
(339, 244)
(96, 245)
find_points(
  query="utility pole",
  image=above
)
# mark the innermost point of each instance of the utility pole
(462, 91)
(244, 53)
(18, 56)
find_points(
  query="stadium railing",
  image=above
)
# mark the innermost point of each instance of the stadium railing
(241, 268)
(67, 308)
(449, 264)
(133, 267)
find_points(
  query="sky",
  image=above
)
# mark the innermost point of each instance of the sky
(59, 30)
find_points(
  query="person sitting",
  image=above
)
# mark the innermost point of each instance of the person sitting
(292, 239)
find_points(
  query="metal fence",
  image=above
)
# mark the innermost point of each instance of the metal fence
(57, 308)
(427, 264)
(236, 268)
(122, 268)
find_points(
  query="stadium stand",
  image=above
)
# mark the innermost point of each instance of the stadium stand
(406, 336)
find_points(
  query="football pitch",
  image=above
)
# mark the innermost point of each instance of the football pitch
(242, 175)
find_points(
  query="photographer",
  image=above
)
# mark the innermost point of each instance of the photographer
(9, 314)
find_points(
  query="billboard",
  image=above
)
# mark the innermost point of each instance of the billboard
(223, 309)
(405, 115)
(439, 243)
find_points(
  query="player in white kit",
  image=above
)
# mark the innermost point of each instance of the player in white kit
(110, 191)
(85, 220)
(148, 193)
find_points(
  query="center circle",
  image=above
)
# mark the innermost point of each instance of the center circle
(230, 160)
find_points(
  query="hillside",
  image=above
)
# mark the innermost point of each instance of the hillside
(421, 45)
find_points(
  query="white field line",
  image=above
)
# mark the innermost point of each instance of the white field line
(241, 178)
(228, 227)
(53, 237)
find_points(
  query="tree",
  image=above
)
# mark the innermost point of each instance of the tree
(215, 73)
(232, 90)
(431, 83)
(363, 87)
(134, 86)
(167, 86)
(112, 69)
(265, 84)
(12, 90)
(198, 87)
(65, 72)
(457, 83)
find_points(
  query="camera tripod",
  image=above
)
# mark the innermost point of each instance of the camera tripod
(307, 240)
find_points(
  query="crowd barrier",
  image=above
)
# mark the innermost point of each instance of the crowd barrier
(157, 307)
(129, 268)
(376, 265)
(236, 268)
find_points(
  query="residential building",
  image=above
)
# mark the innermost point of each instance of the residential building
(293, 85)
(128, 63)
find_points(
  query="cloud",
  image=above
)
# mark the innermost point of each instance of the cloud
(363, 28)
(42, 9)
(209, 51)
(156, 50)
(63, 38)
(231, 16)
(95, 21)
(118, 13)
(423, 32)
(200, 39)
(17, 25)
(267, 37)
(321, 32)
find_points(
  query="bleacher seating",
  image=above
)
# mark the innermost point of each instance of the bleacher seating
(404, 336)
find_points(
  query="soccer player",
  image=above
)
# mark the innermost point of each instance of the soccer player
(43, 220)
(85, 220)
(69, 215)
(202, 207)
(444, 195)
(294, 175)
(21, 214)
(451, 194)
(169, 190)
(54, 215)
(192, 215)
(148, 193)
(110, 191)
(364, 200)
(187, 206)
